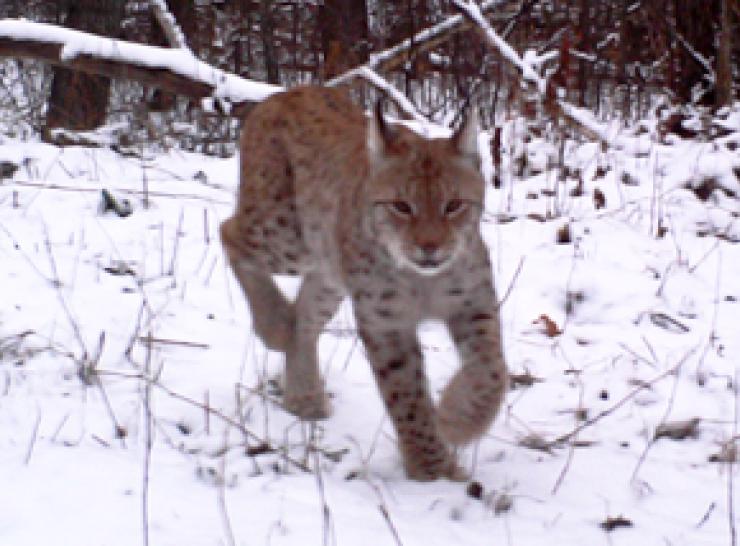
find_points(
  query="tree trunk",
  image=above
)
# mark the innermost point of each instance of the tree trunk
(343, 26)
(267, 32)
(724, 57)
(78, 101)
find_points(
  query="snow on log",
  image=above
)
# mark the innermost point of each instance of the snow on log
(175, 70)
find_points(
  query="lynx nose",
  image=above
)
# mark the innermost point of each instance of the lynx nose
(428, 254)
(429, 250)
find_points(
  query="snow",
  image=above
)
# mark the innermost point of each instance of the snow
(649, 336)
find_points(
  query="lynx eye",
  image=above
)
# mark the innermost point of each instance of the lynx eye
(402, 208)
(453, 207)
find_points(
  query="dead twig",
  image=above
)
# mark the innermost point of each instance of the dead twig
(221, 488)
(328, 534)
(34, 437)
(657, 435)
(383, 508)
(210, 410)
(629, 396)
(732, 522)
(514, 278)
(166, 341)
(178, 236)
(139, 193)
(148, 443)
(572, 447)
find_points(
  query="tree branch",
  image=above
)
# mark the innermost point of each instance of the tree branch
(403, 103)
(168, 23)
(580, 118)
(175, 70)
(422, 41)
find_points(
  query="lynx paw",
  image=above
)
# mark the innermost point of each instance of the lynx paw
(468, 405)
(310, 407)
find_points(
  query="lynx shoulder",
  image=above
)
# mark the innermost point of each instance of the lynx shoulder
(379, 214)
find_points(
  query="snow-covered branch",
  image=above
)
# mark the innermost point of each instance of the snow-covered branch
(581, 118)
(423, 40)
(403, 103)
(175, 70)
(172, 31)
(473, 12)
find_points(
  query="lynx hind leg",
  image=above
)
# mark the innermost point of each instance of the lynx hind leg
(315, 305)
(472, 398)
(397, 364)
(273, 316)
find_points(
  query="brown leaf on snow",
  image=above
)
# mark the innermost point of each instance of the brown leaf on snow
(563, 236)
(678, 430)
(549, 327)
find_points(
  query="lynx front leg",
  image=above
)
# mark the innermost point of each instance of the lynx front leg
(273, 316)
(397, 363)
(473, 396)
(304, 388)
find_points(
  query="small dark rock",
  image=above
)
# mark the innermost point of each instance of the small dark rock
(122, 207)
(612, 523)
(7, 169)
(474, 490)
(183, 428)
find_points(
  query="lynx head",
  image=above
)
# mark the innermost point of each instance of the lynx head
(425, 195)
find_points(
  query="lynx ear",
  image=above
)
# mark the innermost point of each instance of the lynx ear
(465, 138)
(380, 137)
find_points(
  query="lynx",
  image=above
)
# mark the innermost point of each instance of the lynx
(362, 208)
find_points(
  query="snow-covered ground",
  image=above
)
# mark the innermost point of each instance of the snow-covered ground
(119, 333)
